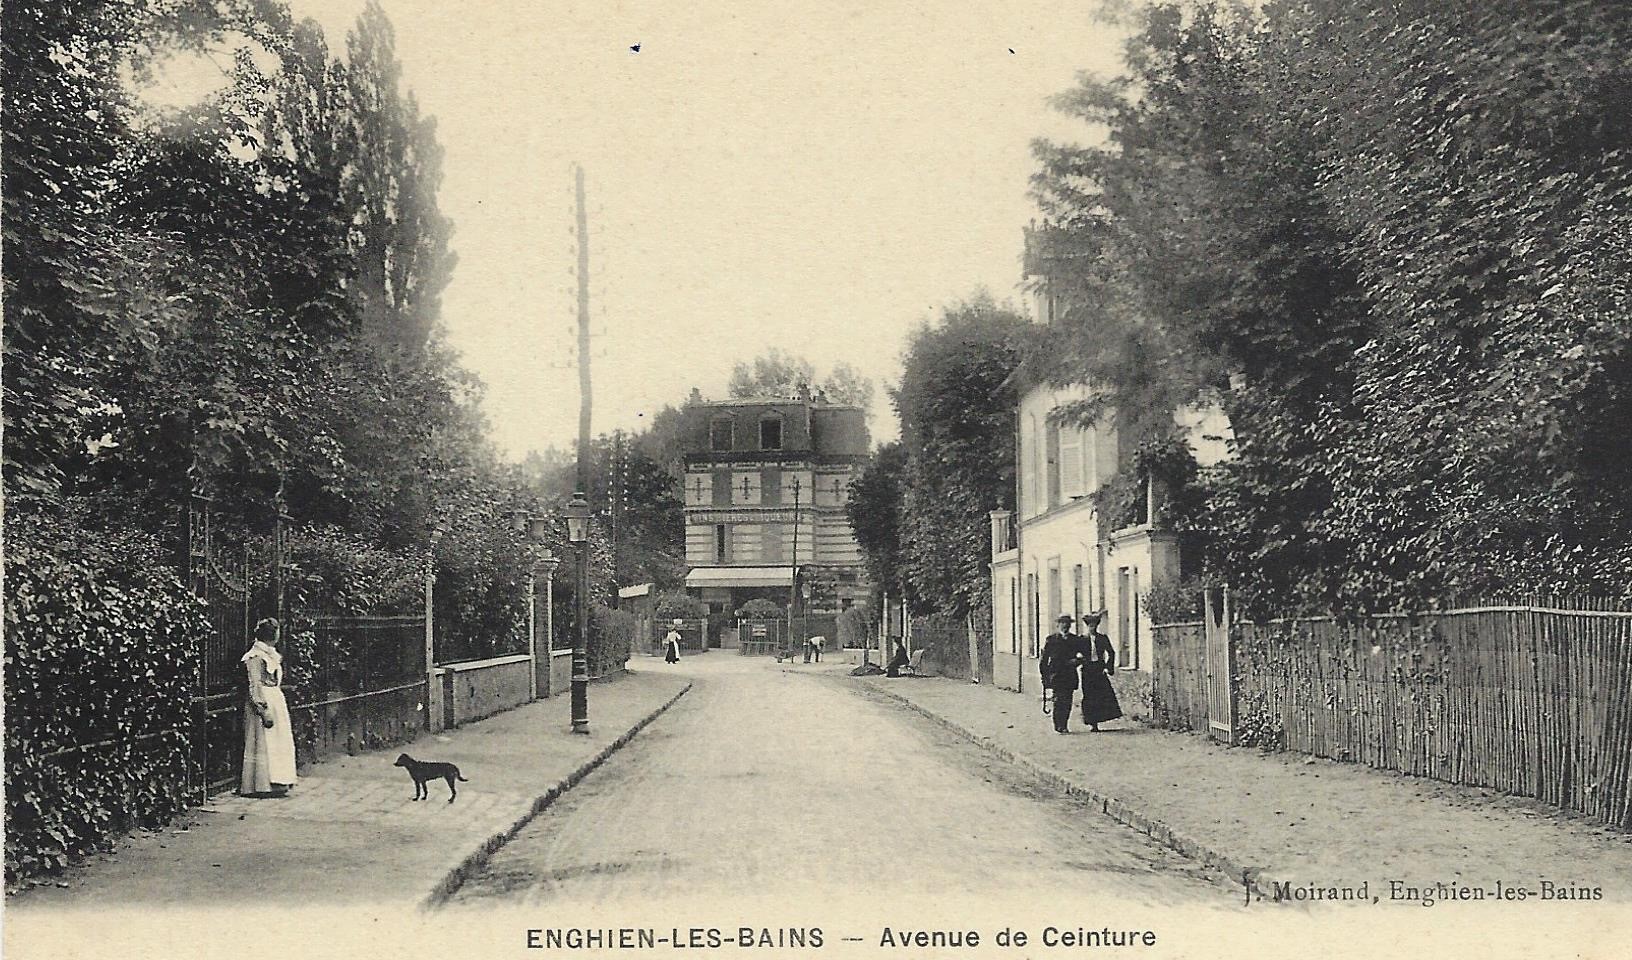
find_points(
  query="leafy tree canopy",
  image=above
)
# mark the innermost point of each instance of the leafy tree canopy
(778, 374)
(1391, 261)
(920, 510)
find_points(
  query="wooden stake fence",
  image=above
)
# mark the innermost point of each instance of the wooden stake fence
(1530, 699)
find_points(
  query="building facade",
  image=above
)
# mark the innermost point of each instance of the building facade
(1052, 555)
(766, 486)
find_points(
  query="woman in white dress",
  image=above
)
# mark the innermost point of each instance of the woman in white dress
(671, 643)
(269, 739)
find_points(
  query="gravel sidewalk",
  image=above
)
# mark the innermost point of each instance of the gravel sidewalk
(1285, 817)
(349, 833)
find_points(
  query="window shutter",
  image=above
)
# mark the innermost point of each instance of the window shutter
(1039, 476)
(1055, 486)
(1070, 463)
(1028, 469)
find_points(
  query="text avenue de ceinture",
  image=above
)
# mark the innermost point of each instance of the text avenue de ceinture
(676, 938)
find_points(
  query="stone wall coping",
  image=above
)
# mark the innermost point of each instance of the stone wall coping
(467, 665)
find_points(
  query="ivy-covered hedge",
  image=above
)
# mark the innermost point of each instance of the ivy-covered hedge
(611, 638)
(100, 660)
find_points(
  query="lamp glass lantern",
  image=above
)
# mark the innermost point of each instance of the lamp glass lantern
(577, 514)
(538, 527)
(519, 520)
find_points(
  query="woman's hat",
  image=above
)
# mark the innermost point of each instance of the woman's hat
(1093, 616)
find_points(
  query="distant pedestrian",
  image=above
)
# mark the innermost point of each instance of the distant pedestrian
(898, 660)
(816, 647)
(671, 643)
(1099, 702)
(1058, 666)
(269, 739)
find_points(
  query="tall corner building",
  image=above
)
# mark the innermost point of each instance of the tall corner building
(766, 485)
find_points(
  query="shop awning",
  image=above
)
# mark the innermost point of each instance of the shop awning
(740, 577)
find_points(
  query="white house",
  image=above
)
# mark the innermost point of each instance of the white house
(1053, 555)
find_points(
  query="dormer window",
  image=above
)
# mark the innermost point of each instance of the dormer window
(770, 433)
(721, 435)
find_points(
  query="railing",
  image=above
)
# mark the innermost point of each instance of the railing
(452, 647)
(761, 638)
(769, 637)
(367, 685)
(355, 655)
(693, 635)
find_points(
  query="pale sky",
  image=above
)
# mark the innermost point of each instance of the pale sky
(815, 177)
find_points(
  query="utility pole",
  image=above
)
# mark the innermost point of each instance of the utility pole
(793, 583)
(580, 646)
(612, 500)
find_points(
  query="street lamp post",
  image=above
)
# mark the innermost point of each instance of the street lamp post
(577, 514)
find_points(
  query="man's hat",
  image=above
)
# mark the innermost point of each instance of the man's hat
(679, 622)
(1063, 618)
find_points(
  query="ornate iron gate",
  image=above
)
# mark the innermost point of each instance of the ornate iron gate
(1220, 665)
(239, 583)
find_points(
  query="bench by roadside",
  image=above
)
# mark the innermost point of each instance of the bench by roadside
(1275, 819)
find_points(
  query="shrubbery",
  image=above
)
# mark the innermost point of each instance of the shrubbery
(760, 609)
(611, 638)
(481, 599)
(100, 660)
(680, 604)
(1179, 602)
(339, 572)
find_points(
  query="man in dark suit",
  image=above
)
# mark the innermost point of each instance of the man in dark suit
(1058, 665)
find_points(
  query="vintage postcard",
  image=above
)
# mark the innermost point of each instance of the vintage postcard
(1024, 480)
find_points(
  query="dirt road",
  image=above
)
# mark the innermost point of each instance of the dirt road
(767, 781)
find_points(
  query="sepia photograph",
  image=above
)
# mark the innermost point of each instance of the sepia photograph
(585, 478)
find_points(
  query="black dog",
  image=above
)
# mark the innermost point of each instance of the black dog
(424, 772)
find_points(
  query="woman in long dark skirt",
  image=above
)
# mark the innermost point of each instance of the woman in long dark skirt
(1099, 702)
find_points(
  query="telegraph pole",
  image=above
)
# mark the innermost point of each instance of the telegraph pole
(580, 647)
(615, 469)
(793, 587)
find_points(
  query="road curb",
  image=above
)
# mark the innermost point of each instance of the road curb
(456, 877)
(1251, 878)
